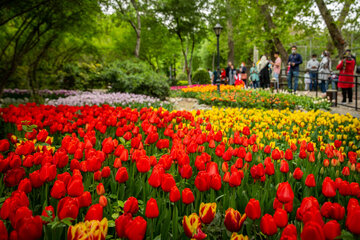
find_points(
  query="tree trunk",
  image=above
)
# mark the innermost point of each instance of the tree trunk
(190, 61)
(276, 39)
(138, 41)
(333, 29)
(137, 29)
(230, 30)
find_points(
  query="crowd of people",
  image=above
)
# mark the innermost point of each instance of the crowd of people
(317, 74)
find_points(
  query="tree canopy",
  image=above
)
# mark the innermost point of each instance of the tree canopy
(41, 40)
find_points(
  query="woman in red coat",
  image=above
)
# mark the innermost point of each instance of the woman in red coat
(346, 83)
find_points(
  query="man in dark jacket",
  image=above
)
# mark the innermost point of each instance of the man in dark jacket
(294, 62)
(227, 72)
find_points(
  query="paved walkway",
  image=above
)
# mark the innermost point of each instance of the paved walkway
(190, 104)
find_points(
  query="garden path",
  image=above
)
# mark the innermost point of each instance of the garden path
(190, 104)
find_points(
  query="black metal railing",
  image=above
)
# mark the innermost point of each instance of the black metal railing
(332, 81)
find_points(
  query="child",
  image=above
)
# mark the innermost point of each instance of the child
(307, 81)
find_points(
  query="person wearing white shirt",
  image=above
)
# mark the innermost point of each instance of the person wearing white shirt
(313, 66)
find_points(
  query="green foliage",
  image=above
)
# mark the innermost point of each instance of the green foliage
(182, 83)
(201, 76)
(135, 76)
(82, 76)
(181, 77)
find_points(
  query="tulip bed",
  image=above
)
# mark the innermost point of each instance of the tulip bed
(231, 96)
(111, 172)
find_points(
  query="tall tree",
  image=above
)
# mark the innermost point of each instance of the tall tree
(334, 27)
(272, 28)
(130, 11)
(185, 19)
(34, 28)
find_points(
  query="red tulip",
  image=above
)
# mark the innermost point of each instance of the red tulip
(152, 209)
(100, 189)
(268, 225)
(345, 171)
(120, 224)
(269, 169)
(121, 175)
(174, 194)
(29, 228)
(167, 182)
(163, 143)
(289, 233)
(298, 173)
(289, 154)
(186, 171)
(235, 179)
(35, 179)
(328, 188)
(284, 193)
(202, 181)
(267, 149)
(84, 200)
(187, 196)
(215, 182)
(103, 201)
(4, 145)
(136, 229)
(312, 230)
(155, 179)
(58, 190)
(332, 230)
(253, 210)
(25, 185)
(233, 220)
(131, 206)
(275, 154)
(352, 204)
(281, 218)
(14, 176)
(105, 172)
(310, 180)
(353, 219)
(246, 131)
(68, 208)
(95, 212)
(143, 165)
(3, 231)
(284, 166)
(75, 187)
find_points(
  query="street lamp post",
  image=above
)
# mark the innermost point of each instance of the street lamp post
(217, 30)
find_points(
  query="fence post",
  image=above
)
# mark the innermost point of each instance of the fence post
(356, 92)
(317, 83)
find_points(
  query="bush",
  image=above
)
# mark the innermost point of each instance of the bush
(181, 77)
(134, 76)
(183, 83)
(81, 76)
(201, 76)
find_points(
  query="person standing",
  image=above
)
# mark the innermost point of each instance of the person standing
(294, 62)
(243, 73)
(254, 76)
(313, 66)
(215, 76)
(210, 73)
(346, 83)
(232, 75)
(227, 72)
(324, 71)
(264, 73)
(277, 69)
